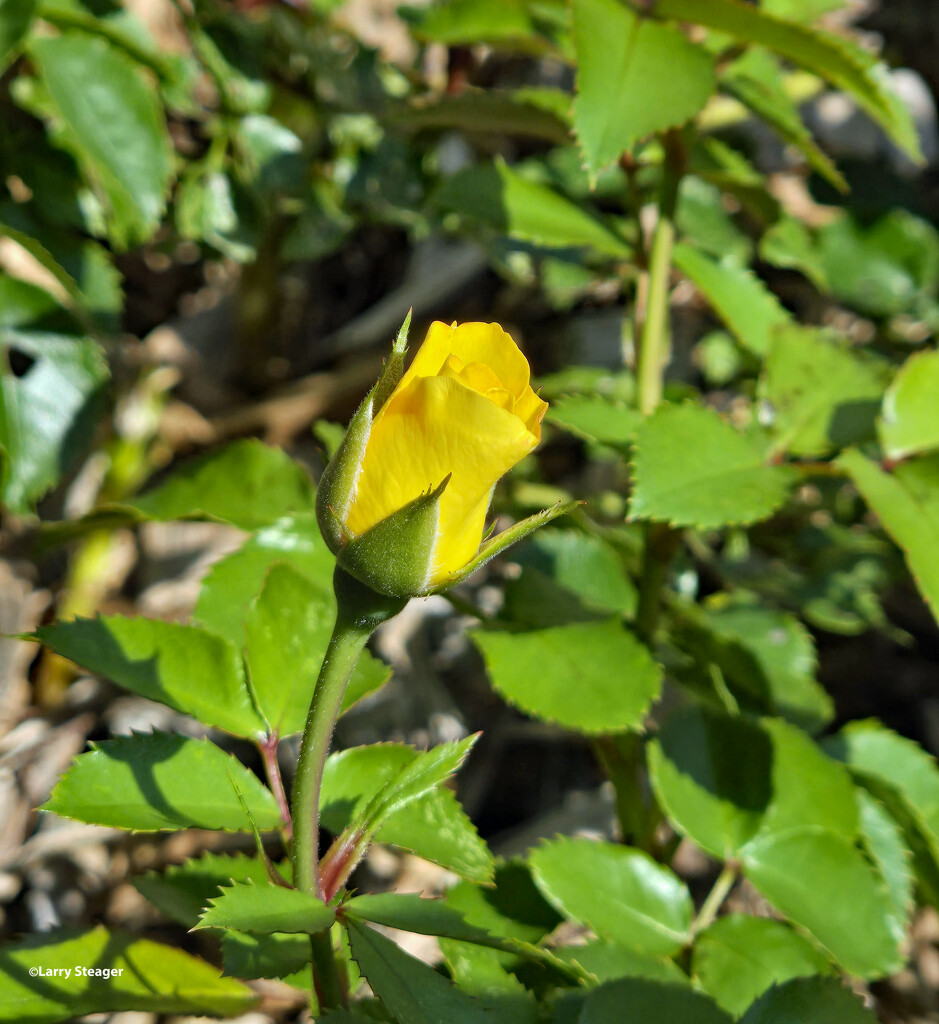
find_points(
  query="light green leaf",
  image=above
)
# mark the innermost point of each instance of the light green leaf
(434, 826)
(413, 992)
(607, 961)
(821, 881)
(738, 958)
(906, 501)
(692, 468)
(809, 1001)
(48, 410)
(823, 396)
(501, 198)
(115, 128)
(184, 667)
(234, 582)
(266, 908)
(15, 18)
(151, 978)
(518, 24)
(634, 78)
(595, 418)
(702, 220)
(883, 840)
(790, 244)
(755, 79)
(651, 1002)
(739, 297)
(800, 10)
(248, 484)
(725, 780)
(833, 58)
(287, 631)
(183, 890)
(595, 677)
(640, 904)
(151, 782)
(910, 423)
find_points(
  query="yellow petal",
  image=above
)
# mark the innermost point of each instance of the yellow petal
(471, 343)
(429, 428)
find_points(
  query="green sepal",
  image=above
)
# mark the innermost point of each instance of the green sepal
(394, 556)
(504, 540)
(337, 484)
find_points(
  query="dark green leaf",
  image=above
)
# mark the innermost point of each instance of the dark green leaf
(692, 468)
(184, 667)
(279, 955)
(607, 961)
(640, 904)
(149, 977)
(155, 781)
(651, 1002)
(595, 677)
(15, 19)
(413, 992)
(809, 1001)
(115, 128)
(738, 958)
(634, 78)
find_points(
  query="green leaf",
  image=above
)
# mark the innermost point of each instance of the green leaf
(607, 961)
(692, 468)
(833, 58)
(434, 826)
(790, 244)
(413, 992)
(800, 10)
(809, 1001)
(595, 677)
(767, 659)
(821, 881)
(738, 958)
(906, 501)
(501, 198)
(247, 483)
(287, 631)
(906, 779)
(48, 410)
(234, 582)
(909, 423)
(183, 890)
(640, 904)
(184, 667)
(823, 396)
(15, 18)
(595, 418)
(279, 955)
(651, 1002)
(702, 220)
(114, 127)
(884, 268)
(634, 78)
(748, 308)
(413, 780)
(883, 841)
(519, 24)
(266, 908)
(148, 977)
(151, 782)
(725, 781)
(755, 79)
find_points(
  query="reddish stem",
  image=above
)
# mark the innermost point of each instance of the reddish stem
(268, 747)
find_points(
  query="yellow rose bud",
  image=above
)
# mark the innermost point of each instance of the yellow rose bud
(465, 410)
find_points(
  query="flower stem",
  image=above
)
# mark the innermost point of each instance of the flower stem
(359, 610)
(715, 898)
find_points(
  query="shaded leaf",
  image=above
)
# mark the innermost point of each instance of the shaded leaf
(651, 1002)
(809, 1001)
(155, 781)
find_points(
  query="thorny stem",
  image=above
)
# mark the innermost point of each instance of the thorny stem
(359, 611)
